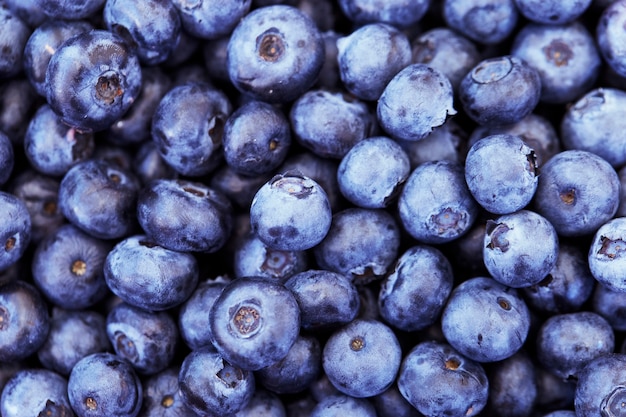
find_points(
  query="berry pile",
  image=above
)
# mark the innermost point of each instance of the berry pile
(321, 208)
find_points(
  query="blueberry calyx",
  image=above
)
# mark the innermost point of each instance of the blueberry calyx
(91, 403)
(497, 232)
(611, 248)
(78, 267)
(357, 344)
(503, 303)
(270, 45)
(558, 52)
(230, 375)
(246, 320)
(292, 184)
(53, 409)
(614, 404)
(276, 261)
(448, 221)
(452, 364)
(10, 243)
(125, 346)
(4, 318)
(568, 196)
(167, 401)
(108, 87)
(492, 70)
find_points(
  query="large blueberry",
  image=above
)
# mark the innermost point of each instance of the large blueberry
(607, 254)
(601, 387)
(35, 392)
(15, 229)
(485, 21)
(399, 13)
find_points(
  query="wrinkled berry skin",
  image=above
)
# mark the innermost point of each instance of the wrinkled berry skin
(35, 392)
(25, 322)
(185, 216)
(275, 54)
(92, 80)
(290, 212)
(600, 389)
(254, 322)
(607, 254)
(15, 229)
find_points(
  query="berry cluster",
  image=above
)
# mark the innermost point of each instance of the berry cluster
(312, 208)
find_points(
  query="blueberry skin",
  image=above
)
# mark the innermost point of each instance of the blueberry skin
(435, 206)
(99, 198)
(52, 147)
(263, 404)
(211, 19)
(512, 386)
(500, 90)
(102, 75)
(415, 101)
(593, 124)
(565, 57)
(578, 191)
(256, 139)
(193, 315)
(397, 13)
(7, 158)
(501, 173)
(610, 36)
(254, 322)
(185, 216)
(73, 335)
(296, 371)
(18, 101)
(520, 248)
(606, 254)
(362, 358)
(485, 320)
(318, 119)
(103, 384)
(187, 126)
(28, 11)
(552, 12)
(210, 385)
(568, 342)
(446, 142)
(373, 171)
(343, 405)
(391, 403)
(70, 10)
(15, 229)
(35, 392)
(361, 244)
(254, 258)
(68, 266)
(149, 276)
(43, 43)
(14, 34)
(611, 305)
(148, 165)
(290, 212)
(561, 413)
(414, 293)
(275, 54)
(600, 388)
(447, 51)
(326, 299)
(370, 57)
(161, 396)
(486, 21)
(40, 194)
(151, 27)
(439, 381)
(568, 285)
(146, 339)
(240, 189)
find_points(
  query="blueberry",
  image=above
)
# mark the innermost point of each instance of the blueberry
(373, 171)
(326, 299)
(370, 57)
(485, 21)
(435, 205)
(7, 158)
(162, 397)
(600, 388)
(512, 386)
(145, 339)
(99, 198)
(14, 34)
(362, 342)
(606, 254)
(396, 12)
(187, 126)
(69, 9)
(149, 276)
(73, 335)
(411, 304)
(210, 385)
(552, 12)
(28, 11)
(275, 54)
(103, 384)
(151, 27)
(67, 268)
(211, 19)
(92, 80)
(485, 320)
(361, 243)
(263, 404)
(149, 165)
(343, 405)
(565, 57)
(15, 229)
(501, 173)
(182, 215)
(35, 392)
(18, 101)
(256, 138)
(240, 189)
(500, 90)
(52, 147)
(611, 305)
(318, 119)
(296, 371)
(439, 381)
(391, 403)
(445, 143)
(290, 212)
(568, 342)
(610, 37)
(520, 248)
(415, 101)
(254, 322)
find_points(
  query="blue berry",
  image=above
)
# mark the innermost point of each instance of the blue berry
(14, 34)
(69, 9)
(7, 158)
(485, 21)
(552, 12)
(610, 36)
(161, 396)
(396, 12)
(211, 19)
(512, 386)
(35, 392)
(343, 405)
(606, 254)
(600, 388)
(15, 229)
